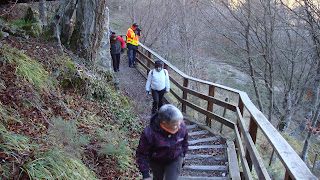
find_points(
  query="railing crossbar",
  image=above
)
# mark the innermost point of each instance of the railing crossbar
(254, 154)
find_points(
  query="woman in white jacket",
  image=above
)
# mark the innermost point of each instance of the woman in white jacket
(158, 80)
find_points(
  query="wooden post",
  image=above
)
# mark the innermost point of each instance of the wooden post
(210, 104)
(184, 94)
(253, 128)
(148, 62)
(241, 108)
(149, 54)
(270, 161)
(165, 66)
(223, 115)
(287, 176)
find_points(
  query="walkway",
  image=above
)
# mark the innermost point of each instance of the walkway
(133, 83)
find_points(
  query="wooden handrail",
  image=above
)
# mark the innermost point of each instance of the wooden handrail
(295, 167)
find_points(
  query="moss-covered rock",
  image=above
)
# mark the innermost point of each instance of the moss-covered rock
(33, 29)
(49, 32)
(30, 16)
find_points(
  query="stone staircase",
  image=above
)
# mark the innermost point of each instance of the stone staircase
(207, 158)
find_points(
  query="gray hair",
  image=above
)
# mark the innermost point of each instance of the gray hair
(169, 113)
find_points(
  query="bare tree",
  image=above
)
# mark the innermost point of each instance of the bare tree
(313, 21)
(256, 21)
(275, 46)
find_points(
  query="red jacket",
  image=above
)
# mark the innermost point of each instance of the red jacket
(123, 44)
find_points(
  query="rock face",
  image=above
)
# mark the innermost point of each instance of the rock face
(104, 57)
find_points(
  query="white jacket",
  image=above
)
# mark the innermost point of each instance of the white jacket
(158, 80)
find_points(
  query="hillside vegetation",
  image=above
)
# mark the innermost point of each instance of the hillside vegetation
(58, 119)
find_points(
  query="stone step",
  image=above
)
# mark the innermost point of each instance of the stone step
(207, 147)
(203, 140)
(197, 156)
(201, 178)
(198, 177)
(192, 126)
(197, 133)
(206, 168)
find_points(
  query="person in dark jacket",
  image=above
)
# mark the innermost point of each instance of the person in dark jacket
(163, 145)
(117, 46)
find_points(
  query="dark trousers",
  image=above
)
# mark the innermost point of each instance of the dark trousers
(169, 171)
(157, 99)
(132, 52)
(116, 61)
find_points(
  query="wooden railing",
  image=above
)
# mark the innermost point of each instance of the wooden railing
(245, 136)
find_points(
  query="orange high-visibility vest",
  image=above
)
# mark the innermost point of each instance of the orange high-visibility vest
(132, 38)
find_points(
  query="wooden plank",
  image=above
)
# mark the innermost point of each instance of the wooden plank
(184, 94)
(204, 97)
(210, 99)
(210, 105)
(142, 64)
(145, 56)
(254, 154)
(253, 129)
(197, 133)
(175, 82)
(297, 169)
(199, 156)
(211, 115)
(207, 147)
(203, 140)
(244, 163)
(201, 178)
(193, 126)
(203, 126)
(207, 168)
(234, 172)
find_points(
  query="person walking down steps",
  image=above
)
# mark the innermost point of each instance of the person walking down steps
(163, 145)
(133, 34)
(117, 46)
(158, 81)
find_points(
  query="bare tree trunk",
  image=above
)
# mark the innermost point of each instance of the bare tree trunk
(248, 49)
(43, 12)
(304, 153)
(133, 17)
(88, 31)
(313, 22)
(286, 119)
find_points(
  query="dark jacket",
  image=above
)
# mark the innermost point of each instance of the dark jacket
(115, 46)
(159, 145)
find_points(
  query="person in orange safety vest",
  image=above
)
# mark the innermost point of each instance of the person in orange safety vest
(133, 35)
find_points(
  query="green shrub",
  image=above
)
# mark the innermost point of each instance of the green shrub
(67, 135)
(55, 164)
